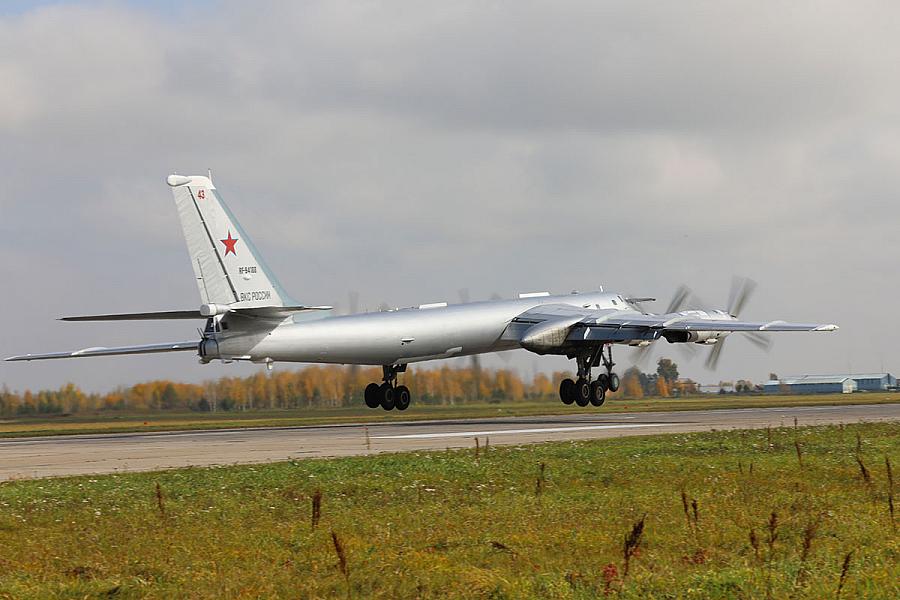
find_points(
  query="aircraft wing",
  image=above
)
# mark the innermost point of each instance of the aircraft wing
(675, 323)
(144, 349)
(585, 324)
(143, 316)
(256, 311)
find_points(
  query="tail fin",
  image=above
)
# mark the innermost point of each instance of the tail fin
(228, 267)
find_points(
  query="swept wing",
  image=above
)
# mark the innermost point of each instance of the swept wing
(206, 311)
(550, 326)
(100, 351)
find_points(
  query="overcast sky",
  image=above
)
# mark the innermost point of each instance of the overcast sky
(410, 149)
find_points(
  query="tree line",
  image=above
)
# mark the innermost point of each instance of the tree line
(326, 387)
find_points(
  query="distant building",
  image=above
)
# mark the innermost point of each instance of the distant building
(716, 388)
(813, 384)
(875, 382)
(833, 384)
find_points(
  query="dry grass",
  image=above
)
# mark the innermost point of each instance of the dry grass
(444, 525)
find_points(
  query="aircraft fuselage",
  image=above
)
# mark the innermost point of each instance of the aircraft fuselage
(392, 337)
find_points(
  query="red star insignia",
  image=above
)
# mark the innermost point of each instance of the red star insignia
(229, 244)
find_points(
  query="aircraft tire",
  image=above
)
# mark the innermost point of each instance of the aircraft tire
(614, 382)
(598, 393)
(371, 395)
(566, 387)
(582, 392)
(386, 396)
(401, 397)
(603, 379)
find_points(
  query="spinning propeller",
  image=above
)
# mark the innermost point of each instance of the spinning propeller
(742, 290)
(679, 299)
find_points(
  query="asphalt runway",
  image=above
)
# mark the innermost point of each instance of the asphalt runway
(91, 454)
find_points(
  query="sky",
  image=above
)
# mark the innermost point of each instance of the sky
(407, 150)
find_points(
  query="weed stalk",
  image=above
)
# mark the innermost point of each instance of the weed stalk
(890, 494)
(540, 481)
(867, 477)
(845, 570)
(632, 542)
(342, 558)
(754, 543)
(160, 504)
(316, 508)
(809, 534)
(773, 531)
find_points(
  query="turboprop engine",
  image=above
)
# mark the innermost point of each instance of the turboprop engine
(696, 337)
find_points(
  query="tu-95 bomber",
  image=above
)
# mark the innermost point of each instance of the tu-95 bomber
(249, 317)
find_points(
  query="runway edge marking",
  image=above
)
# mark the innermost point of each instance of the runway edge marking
(419, 436)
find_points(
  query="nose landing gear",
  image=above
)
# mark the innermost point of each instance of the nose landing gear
(583, 391)
(388, 395)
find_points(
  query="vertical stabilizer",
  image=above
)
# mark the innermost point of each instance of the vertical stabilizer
(228, 267)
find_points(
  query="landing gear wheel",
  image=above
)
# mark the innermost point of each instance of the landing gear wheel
(603, 379)
(598, 393)
(371, 395)
(566, 389)
(613, 382)
(386, 396)
(582, 392)
(401, 397)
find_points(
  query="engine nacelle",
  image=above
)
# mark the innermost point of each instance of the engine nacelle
(696, 337)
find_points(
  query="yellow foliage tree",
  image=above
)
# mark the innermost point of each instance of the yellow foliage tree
(662, 388)
(631, 386)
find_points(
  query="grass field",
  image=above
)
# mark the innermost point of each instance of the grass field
(496, 525)
(117, 422)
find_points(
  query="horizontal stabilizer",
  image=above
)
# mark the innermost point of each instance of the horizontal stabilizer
(144, 349)
(142, 316)
(259, 312)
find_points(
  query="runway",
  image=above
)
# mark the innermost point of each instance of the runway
(93, 454)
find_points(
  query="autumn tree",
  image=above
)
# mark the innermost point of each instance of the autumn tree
(667, 369)
(662, 388)
(311, 387)
(631, 383)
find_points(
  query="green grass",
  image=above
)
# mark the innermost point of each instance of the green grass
(119, 422)
(450, 524)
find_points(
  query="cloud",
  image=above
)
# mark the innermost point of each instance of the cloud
(409, 150)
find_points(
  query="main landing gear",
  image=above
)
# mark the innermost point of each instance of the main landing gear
(583, 391)
(388, 395)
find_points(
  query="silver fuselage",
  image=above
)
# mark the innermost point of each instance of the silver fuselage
(390, 337)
